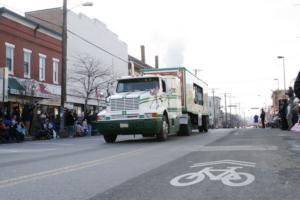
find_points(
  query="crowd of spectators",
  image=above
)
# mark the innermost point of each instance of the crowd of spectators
(14, 127)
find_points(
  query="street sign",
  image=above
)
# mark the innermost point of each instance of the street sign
(3, 84)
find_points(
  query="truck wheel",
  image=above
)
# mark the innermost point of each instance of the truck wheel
(185, 129)
(110, 138)
(205, 124)
(164, 131)
(200, 129)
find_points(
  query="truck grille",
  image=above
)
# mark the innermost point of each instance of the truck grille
(124, 104)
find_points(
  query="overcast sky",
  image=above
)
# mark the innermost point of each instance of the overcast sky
(234, 42)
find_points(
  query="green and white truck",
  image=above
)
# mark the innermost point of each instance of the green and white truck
(156, 104)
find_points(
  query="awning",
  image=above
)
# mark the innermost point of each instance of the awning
(14, 86)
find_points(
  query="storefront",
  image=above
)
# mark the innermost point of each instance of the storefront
(46, 97)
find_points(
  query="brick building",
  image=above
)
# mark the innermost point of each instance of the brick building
(31, 54)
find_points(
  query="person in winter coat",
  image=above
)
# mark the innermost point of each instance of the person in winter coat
(27, 116)
(297, 86)
(16, 113)
(262, 117)
(70, 123)
(292, 116)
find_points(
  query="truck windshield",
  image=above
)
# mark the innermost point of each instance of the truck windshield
(140, 84)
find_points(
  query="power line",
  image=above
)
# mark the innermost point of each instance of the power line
(82, 38)
(85, 40)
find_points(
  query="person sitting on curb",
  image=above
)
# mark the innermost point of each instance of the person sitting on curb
(4, 132)
(17, 131)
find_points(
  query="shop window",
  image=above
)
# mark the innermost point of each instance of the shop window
(9, 57)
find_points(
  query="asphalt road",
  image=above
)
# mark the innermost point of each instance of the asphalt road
(222, 164)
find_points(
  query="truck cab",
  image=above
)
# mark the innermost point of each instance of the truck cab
(149, 105)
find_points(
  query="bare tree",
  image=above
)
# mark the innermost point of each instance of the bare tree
(92, 76)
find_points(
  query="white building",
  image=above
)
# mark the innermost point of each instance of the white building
(214, 109)
(89, 37)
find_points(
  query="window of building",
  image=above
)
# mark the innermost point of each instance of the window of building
(9, 57)
(42, 66)
(55, 70)
(27, 62)
(198, 94)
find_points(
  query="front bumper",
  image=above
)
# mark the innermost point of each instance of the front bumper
(147, 127)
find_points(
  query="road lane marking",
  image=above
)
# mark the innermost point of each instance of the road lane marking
(18, 150)
(66, 169)
(237, 148)
(233, 162)
(228, 176)
(54, 143)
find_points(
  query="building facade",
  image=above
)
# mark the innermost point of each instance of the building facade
(215, 113)
(88, 37)
(31, 55)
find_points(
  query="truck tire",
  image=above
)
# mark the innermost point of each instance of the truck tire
(205, 124)
(162, 135)
(200, 129)
(110, 138)
(185, 130)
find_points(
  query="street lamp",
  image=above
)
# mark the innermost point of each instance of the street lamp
(277, 79)
(282, 57)
(64, 61)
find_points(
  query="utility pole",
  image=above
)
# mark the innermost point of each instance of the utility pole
(214, 103)
(225, 110)
(283, 65)
(244, 119)
(240, 109)
(63, 68)
(230, 110)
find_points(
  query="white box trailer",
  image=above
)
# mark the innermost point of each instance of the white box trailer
(194, 98)
(160, 102)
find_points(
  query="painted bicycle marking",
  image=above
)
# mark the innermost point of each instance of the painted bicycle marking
(228, 176)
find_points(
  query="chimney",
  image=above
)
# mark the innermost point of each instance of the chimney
(156, 62)
(143, 59)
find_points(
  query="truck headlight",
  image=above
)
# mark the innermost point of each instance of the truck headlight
(100, 117)
(150, 115)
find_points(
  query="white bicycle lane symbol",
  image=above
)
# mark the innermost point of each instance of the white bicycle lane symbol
(228, 176)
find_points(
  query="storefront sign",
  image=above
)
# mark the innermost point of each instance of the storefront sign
(37, 89)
